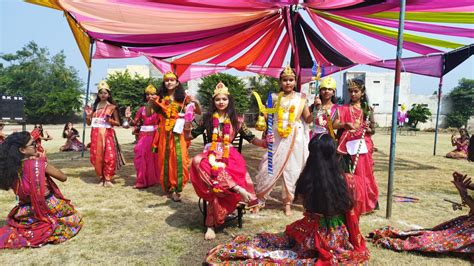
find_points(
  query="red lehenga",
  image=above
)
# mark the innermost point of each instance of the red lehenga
(42, 215)
(313, 240)
(364, 172)
(218, 191)
(105, 154)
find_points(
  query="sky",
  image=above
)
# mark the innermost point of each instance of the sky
(21, 23)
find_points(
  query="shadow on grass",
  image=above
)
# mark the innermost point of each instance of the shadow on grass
(381, 163)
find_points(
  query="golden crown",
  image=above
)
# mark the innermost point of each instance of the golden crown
(352, 84)
(288, 72)
(103, 86)
(220, 89)
(169, 75)
(150, 89)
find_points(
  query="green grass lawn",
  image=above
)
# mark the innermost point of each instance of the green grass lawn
(128, 226)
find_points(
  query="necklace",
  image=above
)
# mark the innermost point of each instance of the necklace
(285, 132)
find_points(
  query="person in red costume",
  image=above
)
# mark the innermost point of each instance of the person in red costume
(328, 234)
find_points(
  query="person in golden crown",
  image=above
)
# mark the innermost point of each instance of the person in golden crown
(145, 161)
(169, 142)
(290, 141)
(105, 150)
(218, 174)
(324, 109)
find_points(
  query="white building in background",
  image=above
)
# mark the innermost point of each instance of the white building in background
(380, 85)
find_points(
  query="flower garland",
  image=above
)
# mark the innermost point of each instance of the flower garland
(215, 163)
(171, 112)
(291, 120)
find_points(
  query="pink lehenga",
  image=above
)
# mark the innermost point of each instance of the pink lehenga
(42, 215)
(222, 200)
(146, 161)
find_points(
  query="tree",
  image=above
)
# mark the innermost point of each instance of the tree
(263, 85)
(236, 89)
(418, 113)
(50, 89)
(462, 98)
(128, 90)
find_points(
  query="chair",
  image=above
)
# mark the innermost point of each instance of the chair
(237, 143)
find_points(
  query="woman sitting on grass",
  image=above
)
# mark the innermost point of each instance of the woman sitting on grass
(461, 142)
(42, 214)
(328, 234)
(454, 236)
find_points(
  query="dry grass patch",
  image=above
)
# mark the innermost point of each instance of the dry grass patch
(128, 226)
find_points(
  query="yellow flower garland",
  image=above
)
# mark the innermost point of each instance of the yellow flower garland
(171, 112)
(291, 120)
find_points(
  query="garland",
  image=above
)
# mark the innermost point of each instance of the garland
(291, 120)
(171, 112)
(215, 163)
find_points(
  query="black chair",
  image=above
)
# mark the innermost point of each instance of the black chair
(237, 143)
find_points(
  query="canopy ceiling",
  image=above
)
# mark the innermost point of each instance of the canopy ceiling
(196, 38)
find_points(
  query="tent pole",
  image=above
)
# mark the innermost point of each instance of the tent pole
(86, 100)
(396, 90)
(440, 86)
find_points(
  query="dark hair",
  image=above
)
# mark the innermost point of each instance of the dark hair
(333, 98)
(110, 100)
(73, 130)
(231, 112)
(10, 158)
(364, 100)
(40, 126)
(179, 93)
(321, 184)
(470, 149)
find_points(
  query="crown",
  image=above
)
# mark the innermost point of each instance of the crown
(328, 83)
(220, 89)
(103, 86)
(150, 89)
(287, 72)
(352, 84)
(169, 75)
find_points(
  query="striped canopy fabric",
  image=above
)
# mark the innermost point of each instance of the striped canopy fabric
(195, 38)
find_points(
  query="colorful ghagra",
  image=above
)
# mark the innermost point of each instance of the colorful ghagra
(313, 240)
(364, 173)
(289, 153)
(172, 149)
(146, 161)
(454, 236)
(105, 151)
(42, 215)
(72, 142)
(218, 191)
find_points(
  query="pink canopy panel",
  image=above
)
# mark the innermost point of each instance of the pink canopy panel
(195, 38)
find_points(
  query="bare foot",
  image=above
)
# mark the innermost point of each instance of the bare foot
(101, 183)
(287, 209)
(108, 184)
(176, 197)
(210, 234)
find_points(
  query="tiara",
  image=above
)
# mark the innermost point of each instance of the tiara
(288, 71)
(352, 84)
(170, 75)
(103, 86)
(150, 89)
(220, 89)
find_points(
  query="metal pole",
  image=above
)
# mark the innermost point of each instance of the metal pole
(393, 136)
(440, 87)
(87, 101)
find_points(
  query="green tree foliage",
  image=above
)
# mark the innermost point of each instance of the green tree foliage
(418, 113)
(50, 89)
(236, 89)
(263, 85)
(128, 90)
(462, 98)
